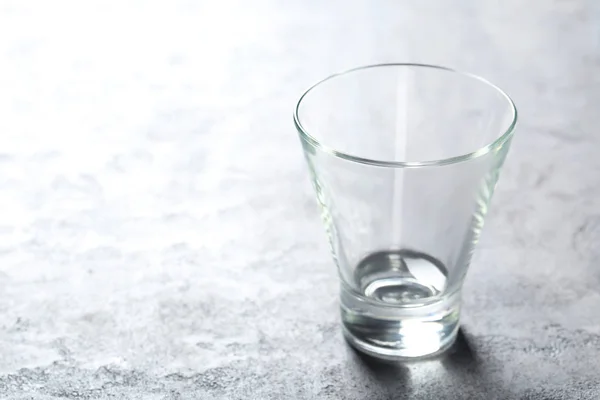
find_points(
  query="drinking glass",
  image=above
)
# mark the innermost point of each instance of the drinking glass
(404, 159)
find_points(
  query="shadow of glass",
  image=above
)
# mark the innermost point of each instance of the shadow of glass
(465, 367)
(461, 354)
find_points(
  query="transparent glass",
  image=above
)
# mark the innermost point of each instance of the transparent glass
(404, 159)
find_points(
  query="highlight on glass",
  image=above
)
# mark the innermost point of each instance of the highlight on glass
(404, 159)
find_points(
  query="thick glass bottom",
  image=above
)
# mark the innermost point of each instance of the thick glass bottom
(400, 333)
(400, 309)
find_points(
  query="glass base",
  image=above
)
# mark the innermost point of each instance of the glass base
(395, 333)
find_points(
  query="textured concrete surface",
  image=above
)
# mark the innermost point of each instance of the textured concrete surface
(158, 234)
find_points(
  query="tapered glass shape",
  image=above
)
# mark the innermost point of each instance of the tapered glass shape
(404, 159)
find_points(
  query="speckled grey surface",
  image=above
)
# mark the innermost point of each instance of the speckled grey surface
(159, 237)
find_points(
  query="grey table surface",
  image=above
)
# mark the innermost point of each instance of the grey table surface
(160, 239)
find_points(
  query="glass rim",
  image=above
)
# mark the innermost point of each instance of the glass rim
(317, 144)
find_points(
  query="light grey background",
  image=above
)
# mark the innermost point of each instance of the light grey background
(158, 234)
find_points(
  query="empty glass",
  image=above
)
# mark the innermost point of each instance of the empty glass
(404, 159)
